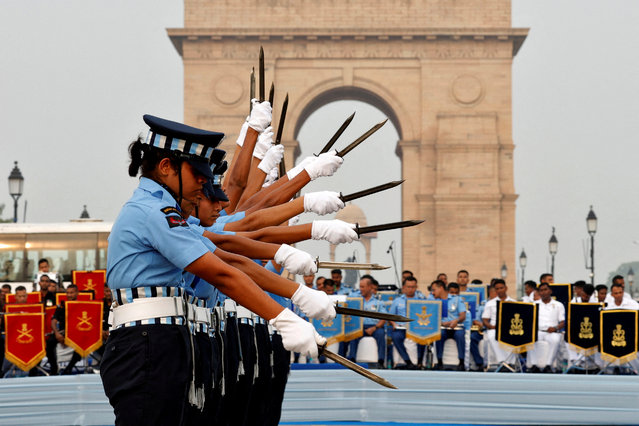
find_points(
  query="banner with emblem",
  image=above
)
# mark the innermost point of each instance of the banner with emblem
(471, 299)
(427, 320)
(618, 335)
(562, 293)
(48, 316)
(582, 330)
(517, 325)
(90, 281)
(83, 326)
(26, 308)
(482, 289)
(82, 296)
(24, 339)
(331, 329)
(353, 325)
(32, 297)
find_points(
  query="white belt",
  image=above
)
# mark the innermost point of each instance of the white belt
(242, 312)
(153, 307)
(202, 315)
(230, 306)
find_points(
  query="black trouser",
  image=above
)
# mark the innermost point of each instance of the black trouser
(146, 373)
(203, 380)
(258, 403)
(232, 357)
(281, 368)
(241, 394)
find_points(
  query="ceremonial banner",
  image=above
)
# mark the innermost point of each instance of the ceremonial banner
(26, 308)
(562, 293)
(516, 325)
(33, 297)
(472, 302)
(331, 329)
(82, 296)
(24, 340)
(353, 326)
(90, 281)
(83, 326)
(482, 289)
(427, 320)
(86, 295)
(618, 337)
(48, 315)
(582, 330)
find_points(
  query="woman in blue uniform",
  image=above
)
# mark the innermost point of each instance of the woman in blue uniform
(147, 365)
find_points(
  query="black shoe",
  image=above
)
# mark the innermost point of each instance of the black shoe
(479, 368)
(421, 367)
(411, 366)
(439, 366)
(461, 367)
(534, 369)
(547, 370)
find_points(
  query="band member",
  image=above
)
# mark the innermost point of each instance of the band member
(453, 317)
(552, 318)
(398, 307)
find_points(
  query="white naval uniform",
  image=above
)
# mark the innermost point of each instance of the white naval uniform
(550, 315)
(625, 304)
(490, 313)
(611, 300)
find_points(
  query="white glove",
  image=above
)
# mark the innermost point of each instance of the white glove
(334, 231)
(298, 169)
(322, 202)
(271, 159)
(242, 135)
(264, 142)
(271, 177)
(315, 304)
(296, 261)
(294, 220)
(297, 335)
(325, 165)
(261, 115)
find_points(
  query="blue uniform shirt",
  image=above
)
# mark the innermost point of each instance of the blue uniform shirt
(195, 285)
(150, 243)
(398, 306)
(373, 304)
(279, 299)
(453, 308)
(224, 218)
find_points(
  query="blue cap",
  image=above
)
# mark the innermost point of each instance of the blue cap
(196, 145)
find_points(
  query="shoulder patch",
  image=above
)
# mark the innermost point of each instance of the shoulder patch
(167, 210)
(174, 221)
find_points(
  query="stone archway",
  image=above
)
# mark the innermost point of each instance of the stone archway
(442, 68)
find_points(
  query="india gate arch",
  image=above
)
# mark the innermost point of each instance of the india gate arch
(443, 68)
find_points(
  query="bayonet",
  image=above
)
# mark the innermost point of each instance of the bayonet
(386, 226)
(354, 367)
(337, 134)
(350, 265)
(261, 74)
(252, 89)
(361, 139)
(371, 314)
(271, 94)
(280, 130)
(369, 191)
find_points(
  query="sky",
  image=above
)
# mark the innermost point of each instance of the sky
(77, 76)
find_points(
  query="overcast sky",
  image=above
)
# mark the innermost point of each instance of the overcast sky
(77, 75)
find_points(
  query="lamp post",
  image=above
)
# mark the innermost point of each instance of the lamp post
(504, 272)
(631, 280)
(16, 183)
(523, 260)
(552, 247)
(591, 224)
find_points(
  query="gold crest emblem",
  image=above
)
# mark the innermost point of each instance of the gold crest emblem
(585, 329)
(84, 324)
(327, 323)
(618, 336)
(516, 326)
(89, 285)
(25, 335)
(424, 318)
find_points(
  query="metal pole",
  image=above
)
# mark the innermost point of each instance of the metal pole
(552, 265)
(15, 208)
(592, 259)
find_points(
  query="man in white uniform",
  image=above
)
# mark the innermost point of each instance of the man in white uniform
(489, 318)
(552, 318)
(618, 280)
(617, 299)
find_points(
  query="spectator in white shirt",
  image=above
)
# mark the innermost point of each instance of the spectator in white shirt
(618, 279)
(552, 318)
(602, 292)
(529, 289)
(619, 300)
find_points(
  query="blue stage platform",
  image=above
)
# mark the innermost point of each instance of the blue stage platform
(340, 397)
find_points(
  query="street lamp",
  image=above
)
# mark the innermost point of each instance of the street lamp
(16, 183)
(591, 224)
(504, 271)
(523, 260)
(631, 280)
(552, 247)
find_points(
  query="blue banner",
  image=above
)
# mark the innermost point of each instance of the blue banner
(333, 329)
(478, 288)
(353, 326)
(426, 325)
(471, 299)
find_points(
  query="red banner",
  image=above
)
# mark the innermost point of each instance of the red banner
(90, 281)
(48, 315)
(33, 297)
(82, 296)
(83, 326)
(24, 341)
(27, 308)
